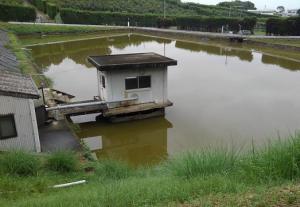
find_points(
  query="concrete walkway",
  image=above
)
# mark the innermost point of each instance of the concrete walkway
(170, 31)
(57, 137)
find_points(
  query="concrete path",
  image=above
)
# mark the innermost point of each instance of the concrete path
(204, 34)
(56, 137)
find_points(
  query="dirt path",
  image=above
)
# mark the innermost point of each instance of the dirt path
(40, 16)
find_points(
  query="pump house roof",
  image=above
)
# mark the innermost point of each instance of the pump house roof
(128, 61)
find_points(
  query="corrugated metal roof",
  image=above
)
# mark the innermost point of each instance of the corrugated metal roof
(17, 85)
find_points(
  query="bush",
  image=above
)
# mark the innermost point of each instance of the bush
(71, 16)
(113, 169)
(19, 163)
(17, 13)
(63, 162)
(280, 26)
(214, 24)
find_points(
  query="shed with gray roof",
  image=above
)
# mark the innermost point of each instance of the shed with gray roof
(18, 124)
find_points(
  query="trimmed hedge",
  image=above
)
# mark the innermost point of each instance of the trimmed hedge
(71, 16)
(17, 13)
(211, 24)
(279, 26)
(52, 10)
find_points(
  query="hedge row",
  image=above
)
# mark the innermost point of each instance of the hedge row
(214, 24)
(17, 13)
(71, 16)
(288, 26)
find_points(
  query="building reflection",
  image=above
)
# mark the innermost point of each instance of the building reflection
(142, 142)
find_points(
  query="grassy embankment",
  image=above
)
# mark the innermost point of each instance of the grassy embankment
(210, 178)
(288, 42)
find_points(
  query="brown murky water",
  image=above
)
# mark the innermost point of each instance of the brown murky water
(222, 97)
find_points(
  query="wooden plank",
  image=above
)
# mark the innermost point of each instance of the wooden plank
(134, 108)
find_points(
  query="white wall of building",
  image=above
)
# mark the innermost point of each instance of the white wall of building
(26, 124)
(115, 85)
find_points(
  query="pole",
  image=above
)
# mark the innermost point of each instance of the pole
(42, 87)
(164, 9)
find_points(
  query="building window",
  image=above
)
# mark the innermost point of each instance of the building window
(138, 82)
(7, 127)
(103, 81)
(131, 83)
(145, 81)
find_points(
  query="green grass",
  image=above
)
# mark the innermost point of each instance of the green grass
(206, 178)
(63, 161)
(19, 163)
(25, 62)
(288, 42)
(23, 29)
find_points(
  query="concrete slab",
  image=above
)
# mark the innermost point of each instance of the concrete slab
(57, 136)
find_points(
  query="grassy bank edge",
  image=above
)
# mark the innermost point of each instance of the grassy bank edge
(25, 61)
(219, 177)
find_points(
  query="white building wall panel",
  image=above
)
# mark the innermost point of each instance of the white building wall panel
(25, 125)
(157, 93)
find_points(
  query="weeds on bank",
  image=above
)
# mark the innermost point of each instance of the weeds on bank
(181, 179)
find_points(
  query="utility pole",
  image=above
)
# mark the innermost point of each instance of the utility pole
(164, 9)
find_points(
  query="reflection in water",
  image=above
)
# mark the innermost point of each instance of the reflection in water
(222, 96)
(139, 142)
(78, 51)
(285, 63)
(214, 50)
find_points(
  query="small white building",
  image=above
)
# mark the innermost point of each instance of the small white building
(133, 83)
(18, 125)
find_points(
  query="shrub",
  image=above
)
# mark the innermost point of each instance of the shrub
(19, 163)
(113, 169)
(71, 16)
(17, 13)
(63, 162)
(214, 24)
(280, 26)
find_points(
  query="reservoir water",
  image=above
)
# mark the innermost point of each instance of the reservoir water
(223, 96)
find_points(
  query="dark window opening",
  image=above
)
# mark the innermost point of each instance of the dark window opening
(131, 83)
(144, 81)
(138, 82)
(7, 127)
(103, 81)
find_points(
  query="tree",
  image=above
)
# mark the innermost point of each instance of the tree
(298, 12)
(244, 5)
(280, 9)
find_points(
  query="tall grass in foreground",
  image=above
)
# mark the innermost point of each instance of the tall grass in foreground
(19, 163)
(180, 179)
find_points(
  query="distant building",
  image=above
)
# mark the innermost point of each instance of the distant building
(133, 83)
(269, 12)
(292, 12)
(18, 125)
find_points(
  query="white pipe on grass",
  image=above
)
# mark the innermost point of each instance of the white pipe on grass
(70, 184)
